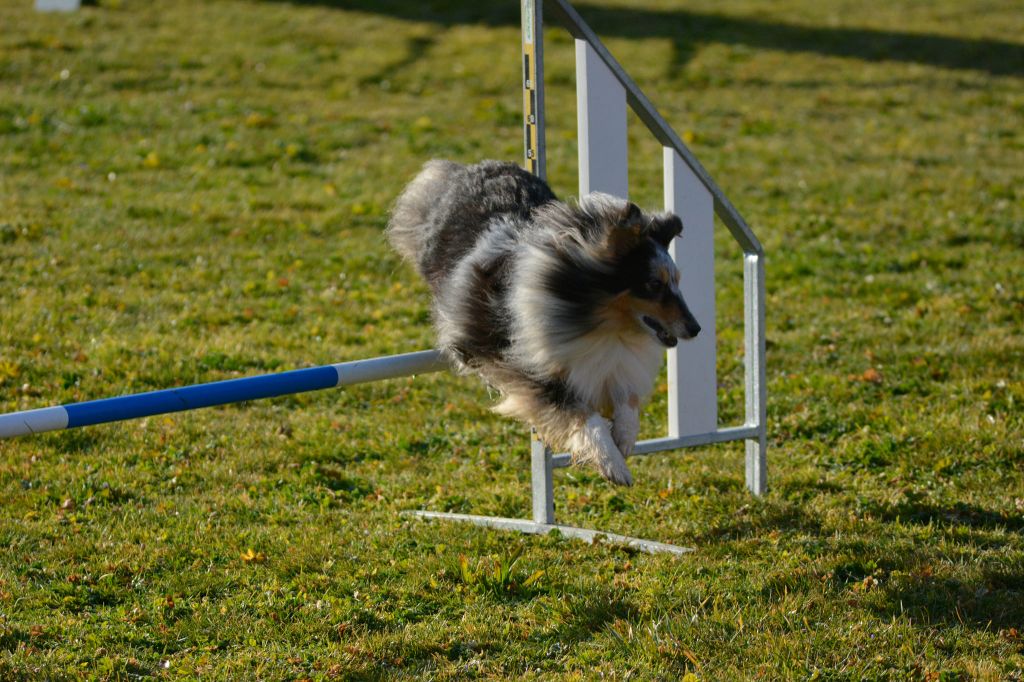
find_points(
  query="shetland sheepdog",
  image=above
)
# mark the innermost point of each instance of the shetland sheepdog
(564, 308)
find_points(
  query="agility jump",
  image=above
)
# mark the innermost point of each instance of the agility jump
(603, 92)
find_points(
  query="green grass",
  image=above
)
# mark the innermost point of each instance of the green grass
(191, 191)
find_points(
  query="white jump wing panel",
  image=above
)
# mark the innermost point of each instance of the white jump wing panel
(601, 120)
(692, 381)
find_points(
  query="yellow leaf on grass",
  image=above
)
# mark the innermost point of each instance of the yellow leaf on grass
(258, 120)
(533, 578)
(8, 370)
(871, 375)
(251, 556)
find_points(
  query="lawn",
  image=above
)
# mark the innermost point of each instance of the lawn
(192, 191)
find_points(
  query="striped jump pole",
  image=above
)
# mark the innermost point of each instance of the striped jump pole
(218, 393)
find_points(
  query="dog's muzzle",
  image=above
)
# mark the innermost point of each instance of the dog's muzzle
(690, 329)
(666, 338)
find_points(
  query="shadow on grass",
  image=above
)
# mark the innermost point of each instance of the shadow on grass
(13, 637)
(993, 602)
(957, 514)
(587, 615)
(76, 441)
(990, 599)
(758, 520)
(688, 29)
(416, 48)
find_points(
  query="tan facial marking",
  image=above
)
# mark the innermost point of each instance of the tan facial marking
(663, 310)
(620, 310)
(624, 310)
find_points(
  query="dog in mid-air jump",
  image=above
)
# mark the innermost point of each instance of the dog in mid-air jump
(565, 308)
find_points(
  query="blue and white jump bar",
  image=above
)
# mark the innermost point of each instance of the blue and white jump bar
(218, 393)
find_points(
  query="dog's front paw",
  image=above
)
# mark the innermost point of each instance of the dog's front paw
(593, 444)
(625, 430)
(614, 469)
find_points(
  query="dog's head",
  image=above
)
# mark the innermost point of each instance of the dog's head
(646, 281)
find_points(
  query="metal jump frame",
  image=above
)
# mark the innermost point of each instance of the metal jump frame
(543, 461)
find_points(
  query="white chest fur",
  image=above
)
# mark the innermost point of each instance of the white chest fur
(601, 366)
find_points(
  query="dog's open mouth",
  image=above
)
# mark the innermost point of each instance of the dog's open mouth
(667, 339)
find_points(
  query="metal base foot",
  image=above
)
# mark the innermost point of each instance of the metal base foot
(585, 534)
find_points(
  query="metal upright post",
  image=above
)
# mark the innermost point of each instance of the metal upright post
(754, 370)
(541, 471)
(541, 468)
(533, 88)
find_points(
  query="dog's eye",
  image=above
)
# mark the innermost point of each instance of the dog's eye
(655, 286)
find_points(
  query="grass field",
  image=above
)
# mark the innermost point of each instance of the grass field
(192, 191)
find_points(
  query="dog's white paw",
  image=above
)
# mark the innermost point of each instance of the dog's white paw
(594, 444)
(615, 470)
(625, 430)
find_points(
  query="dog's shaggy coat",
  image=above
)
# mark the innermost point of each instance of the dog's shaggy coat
(565, 309)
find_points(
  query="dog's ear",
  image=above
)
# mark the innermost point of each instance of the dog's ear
(627, 231)
(664, 228)
(631, 216)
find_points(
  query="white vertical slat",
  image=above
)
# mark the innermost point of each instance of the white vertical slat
(692, 381)
(601, 118)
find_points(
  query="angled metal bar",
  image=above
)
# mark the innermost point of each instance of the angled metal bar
(58, 5)
(724, 209)
(585, 534)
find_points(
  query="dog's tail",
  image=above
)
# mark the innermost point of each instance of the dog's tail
(410, 228)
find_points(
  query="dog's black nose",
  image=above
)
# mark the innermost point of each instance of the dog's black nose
(692, 328)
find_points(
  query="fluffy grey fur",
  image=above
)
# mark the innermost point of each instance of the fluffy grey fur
(563, 308)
